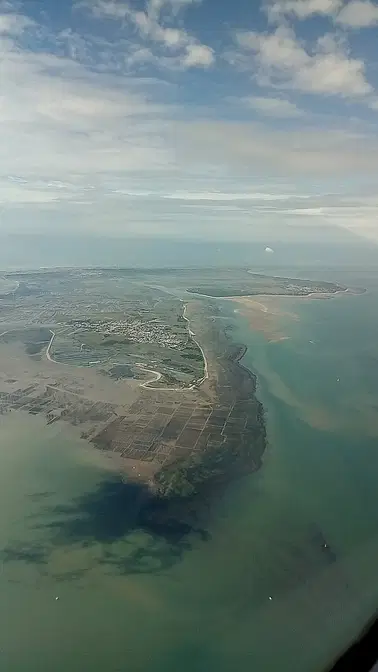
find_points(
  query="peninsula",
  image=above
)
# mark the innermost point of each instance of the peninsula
(137, 360)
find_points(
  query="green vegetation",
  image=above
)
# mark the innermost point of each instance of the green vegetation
(33, 339)
(193, 355)
(167, 380)
(35, 348)
(111, 339)
(119, 371)
(187, 477)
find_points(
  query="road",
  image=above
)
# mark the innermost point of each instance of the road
(192, 335)
(49, 347)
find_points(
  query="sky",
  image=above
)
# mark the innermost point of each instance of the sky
(205, 119)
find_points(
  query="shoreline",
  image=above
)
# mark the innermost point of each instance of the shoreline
(227, 438)
(231, 447)
(192, 334)
(233, 297)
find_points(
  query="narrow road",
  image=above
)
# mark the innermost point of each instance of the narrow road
(156, 377)
(49, 346)
(192, 335)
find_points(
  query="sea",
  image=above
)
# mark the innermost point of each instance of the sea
(285, 576)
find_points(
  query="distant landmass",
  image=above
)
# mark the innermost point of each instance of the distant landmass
(253, 284)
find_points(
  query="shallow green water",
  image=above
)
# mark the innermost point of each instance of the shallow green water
(131, 601)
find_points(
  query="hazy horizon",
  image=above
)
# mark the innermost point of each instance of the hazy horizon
(29, 252)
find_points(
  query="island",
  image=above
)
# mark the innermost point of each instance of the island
(256, 284)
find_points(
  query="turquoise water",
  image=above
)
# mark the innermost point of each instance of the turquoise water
(132, 600)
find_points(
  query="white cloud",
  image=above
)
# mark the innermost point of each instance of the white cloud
(227, 196)
(14, 24)
(251, 147)
(15, 194)
(273, 107)
(183, 49)
(105, 8)
(306, 212)
(282, 60)
(358, 14)
(198, 55)
(63, 124)
(360, 220)
(302, 9)
(172, 6)
(352, 14)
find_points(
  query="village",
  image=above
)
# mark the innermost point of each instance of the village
(134, 330)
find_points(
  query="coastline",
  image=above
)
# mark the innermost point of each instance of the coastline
(206, 474)
(210, 434)
(228, 451)
(205, 362)
(291, 295)
(310, 295)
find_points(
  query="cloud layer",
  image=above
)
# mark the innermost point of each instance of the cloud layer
(158, 120)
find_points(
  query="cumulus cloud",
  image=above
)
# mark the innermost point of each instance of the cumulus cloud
(14, 24)
(273, 107)
(358, 14)
(282, 60)
(197, 55)
(352, 14)
(302, 9)
(154, 27)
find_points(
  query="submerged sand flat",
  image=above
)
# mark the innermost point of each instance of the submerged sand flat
(270, 316)
(265, 315)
